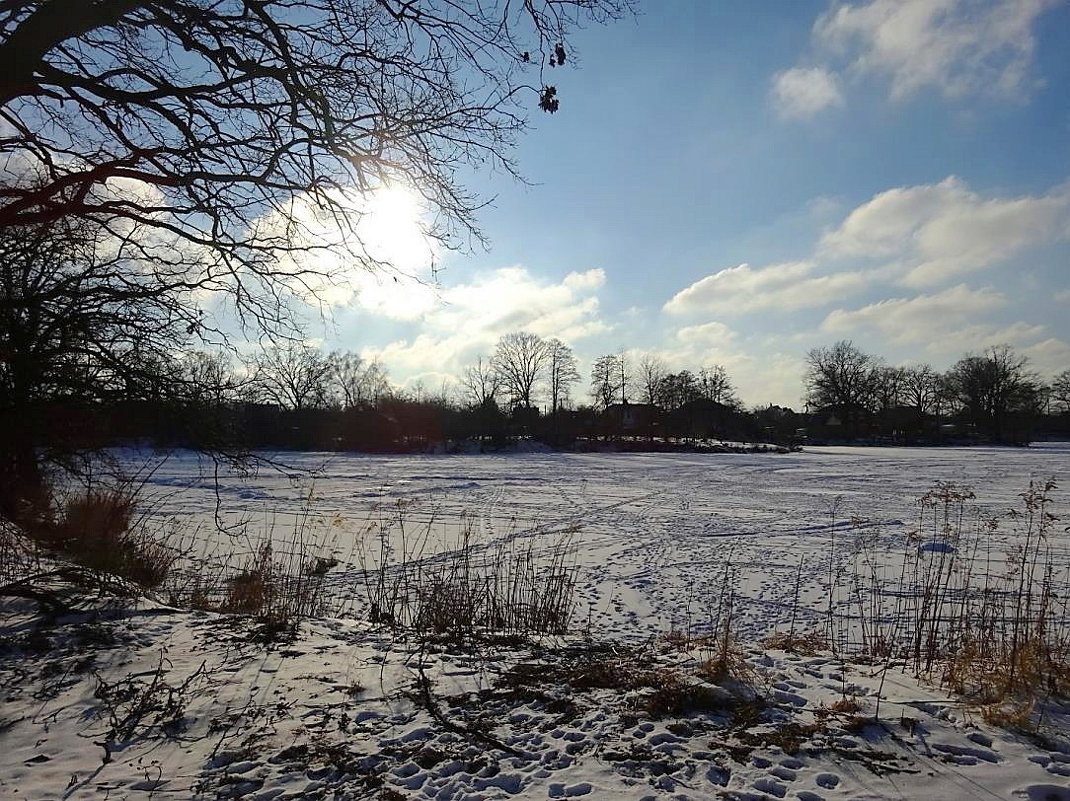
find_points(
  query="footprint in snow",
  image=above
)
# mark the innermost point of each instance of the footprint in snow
(964, 755)
(783, 773)
(827, 780)
(1046, 792)
(767, 784)
(558, 790)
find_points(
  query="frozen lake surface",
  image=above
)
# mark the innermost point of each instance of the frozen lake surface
(657, 536)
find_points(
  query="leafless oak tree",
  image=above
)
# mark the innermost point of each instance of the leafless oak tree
(238, 128)
(293, 375)
(715, 385)
(921, 385)
(606, 380)
(520, 359)
(992, 387)
(355, 381)
(76, 328)
(1060, 391)
(481, 383)
(652, 372)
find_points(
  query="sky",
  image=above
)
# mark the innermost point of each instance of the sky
(738, 183)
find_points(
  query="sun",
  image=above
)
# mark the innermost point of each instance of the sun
(392, 230)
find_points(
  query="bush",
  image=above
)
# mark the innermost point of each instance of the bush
(276, 590)
(100, 531)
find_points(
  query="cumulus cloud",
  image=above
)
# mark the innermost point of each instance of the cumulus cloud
(803, 92)
(953, 344)
(758, 370)
(591, 279)
(471, 317)
(375, 249)
(707, 336)
(933, 233)
(958, 47)
(918, 319)
(949, 324)
(788, 286)
(1049, 356)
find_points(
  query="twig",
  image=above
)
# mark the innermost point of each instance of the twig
(432, 707)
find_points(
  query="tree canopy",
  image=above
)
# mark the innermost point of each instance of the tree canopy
(240, 128)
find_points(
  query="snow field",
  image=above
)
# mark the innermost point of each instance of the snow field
(137, 700)
(657, 538)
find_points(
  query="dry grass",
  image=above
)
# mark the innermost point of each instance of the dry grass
(848, 705)
(445, 581)
(101, 530)
(276, 589)
(647, 686)
(805, 644)
(977, 602)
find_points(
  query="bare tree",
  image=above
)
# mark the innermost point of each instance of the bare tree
(841, 378)
(993, 387)
(76, 329)
(293, 375)
(715, 385)
(208, 378)
(889, 386)
(519, 359)
(355, 381)
(561, 372)
(242, 128)
(1060, 391)
(679, 388)
(652, 372)
(606, 374)
(920, 388)
(481, 383)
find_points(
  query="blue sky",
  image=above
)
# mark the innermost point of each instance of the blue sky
(737, 183)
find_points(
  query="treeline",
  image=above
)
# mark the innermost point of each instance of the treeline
(991, 397)
(297, 395)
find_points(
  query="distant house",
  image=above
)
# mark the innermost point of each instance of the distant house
(632, 419)
(839, 423)
(704, 419)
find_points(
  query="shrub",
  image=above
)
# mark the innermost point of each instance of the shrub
(276, 589)
(101, 531)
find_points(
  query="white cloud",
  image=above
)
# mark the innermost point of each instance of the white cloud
(1063, 296)
(959, 48)
(947, 325)
(955, 343)
(1048, 357)
(706, 337)
(591, 279)
(803, 92)
(372, 248)
(919, 319)
(786, 286)
(760, 373)
(471, 317)
(932, 233)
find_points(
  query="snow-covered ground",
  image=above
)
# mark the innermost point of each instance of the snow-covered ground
(655, 534)
(124, 700)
